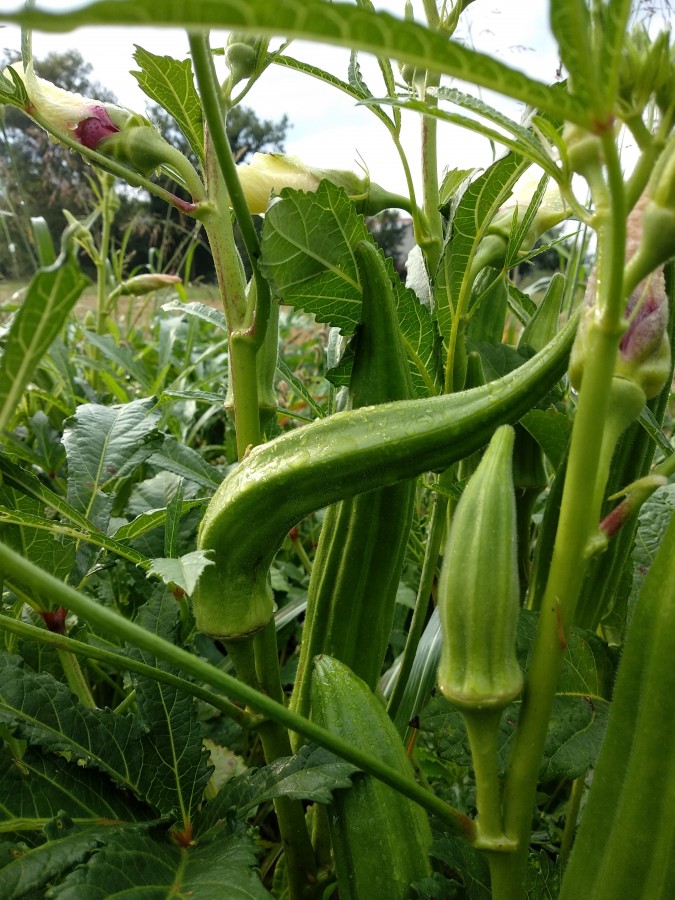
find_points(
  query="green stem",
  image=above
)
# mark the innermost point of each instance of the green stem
(102, 255)
(482, 728)
(117, 660)
(301, 863)
(28, 573)
(75, 678)
(212, 103)
(579, 515)
(571, 817)
(429, 566)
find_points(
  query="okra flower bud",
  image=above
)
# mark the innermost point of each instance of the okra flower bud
(269, 173)
(90, 121)
(644, 351)
(113, 131)
(241, 55)
(139, 285)
(552, 211)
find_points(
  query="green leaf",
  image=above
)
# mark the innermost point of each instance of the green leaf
(475, 211)
(340, 24)
(51, 295)
(183, 572)
(307, 253)
(170, 717)
(30, 869)
(50, 502)
(170, 83)
(102, 444)
(122, 357)
(44, 712)
(513, 136)
(312, 774)
(652, 524)
(153, 518)
(551, 430)
(47, 550)
(200, 311)
(578, 719)
(187, 463)
(308, 241)
(174, 511)
(13, 90)
(615, 19)
(137, 864)
(571, 26)
(288, 62)
(39, 786)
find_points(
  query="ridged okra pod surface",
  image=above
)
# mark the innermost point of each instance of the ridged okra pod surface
(358, 562)
(478, 589)
(337, 457)
(625, 845)
(380, 838)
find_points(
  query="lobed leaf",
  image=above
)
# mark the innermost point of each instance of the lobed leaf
(170, 83)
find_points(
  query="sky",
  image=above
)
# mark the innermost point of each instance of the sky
(327, 129)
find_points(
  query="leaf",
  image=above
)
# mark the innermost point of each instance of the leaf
(578, 719)
(47, 550)
(183, 572)
(576, 729)
(614, 24)
(137, 864)
(44, 712)
(174, 511)
(307, 253)
(51, 295)
(652, 524)
(520, 139)
(50, 502)
(101, 443)
(339, 24)
(571, 26)
(170, 717)
(463, 861)
(122, 357)
(40, 786)
(170, 83)
(312, 774)
(198, 310)
(551, 430)
(475, 211)
(308, 241)
(153, 518)
(13, 90)
(30, 869)
(187, 463)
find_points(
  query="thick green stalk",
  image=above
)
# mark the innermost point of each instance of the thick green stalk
(579, 515)
(75, 678)
(246, 337)
(31, 575)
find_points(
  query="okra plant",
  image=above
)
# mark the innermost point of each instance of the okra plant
(468, 691)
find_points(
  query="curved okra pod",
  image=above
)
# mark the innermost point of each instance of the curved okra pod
(348, 453)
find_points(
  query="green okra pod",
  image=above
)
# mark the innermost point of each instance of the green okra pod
(380, 839)
(624, 846)
(340, 456)
(358, 562)
(478, 591)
